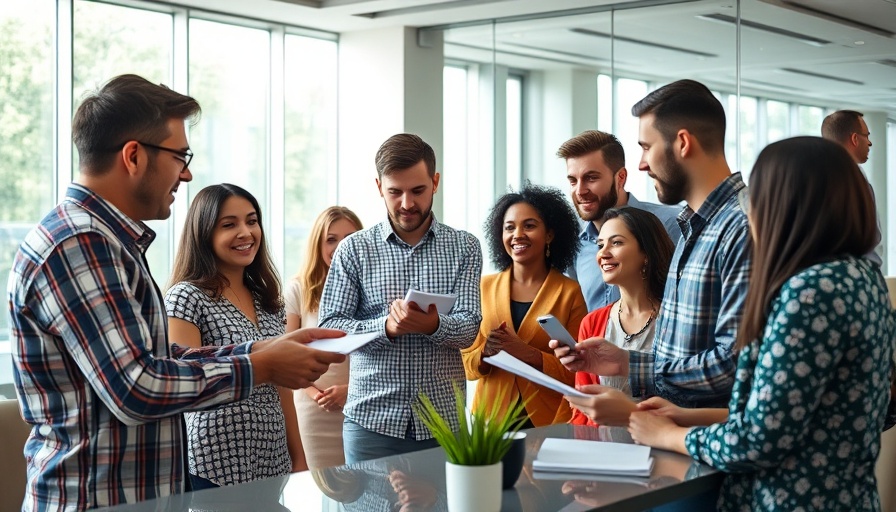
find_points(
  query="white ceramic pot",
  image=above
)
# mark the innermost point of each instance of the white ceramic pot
(473, 488)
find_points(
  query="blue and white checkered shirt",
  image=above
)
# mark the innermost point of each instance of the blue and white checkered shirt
(370, 269)
(692, 363)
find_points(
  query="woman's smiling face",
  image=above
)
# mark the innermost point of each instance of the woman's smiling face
(619, 255)
(525, 234)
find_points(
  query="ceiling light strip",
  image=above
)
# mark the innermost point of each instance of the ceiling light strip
(589, 32)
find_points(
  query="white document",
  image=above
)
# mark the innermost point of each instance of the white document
(443, 303)
(344, 345)
(513, 365)
(591, 477)
(582, 457)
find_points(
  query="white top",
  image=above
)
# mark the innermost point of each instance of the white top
(641, 343)
(292, 296)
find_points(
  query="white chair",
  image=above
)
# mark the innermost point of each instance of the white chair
(886, 461)
(12, 461)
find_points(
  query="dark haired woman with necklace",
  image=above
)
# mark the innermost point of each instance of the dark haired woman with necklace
(633, 254)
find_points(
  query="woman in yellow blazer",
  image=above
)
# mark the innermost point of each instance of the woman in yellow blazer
(532, 236)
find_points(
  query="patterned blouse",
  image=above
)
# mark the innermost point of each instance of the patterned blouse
(246, 440)
(804, 423)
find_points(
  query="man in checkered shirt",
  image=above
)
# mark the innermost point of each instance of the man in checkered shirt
(416, 351)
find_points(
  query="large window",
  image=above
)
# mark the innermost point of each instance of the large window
(761, 121)
(111, 40)
(514, 145)
(230, 76)
(267, 91)
(26, 135)
(741, 141)
(456, 151)
(310, 140)
(468, 158)
(809, 120)
(614, 115)
(777, 121)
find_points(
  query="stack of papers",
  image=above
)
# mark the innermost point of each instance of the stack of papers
(581, 457)
(513, 365)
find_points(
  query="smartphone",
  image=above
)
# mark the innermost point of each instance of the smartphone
(556, 331)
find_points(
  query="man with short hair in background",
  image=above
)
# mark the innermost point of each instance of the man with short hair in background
(595, 168)
(848, 128)
(416, 351)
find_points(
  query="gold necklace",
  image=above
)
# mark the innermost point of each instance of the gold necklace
(237, 297)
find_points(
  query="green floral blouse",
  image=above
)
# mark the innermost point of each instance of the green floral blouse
(808, 405)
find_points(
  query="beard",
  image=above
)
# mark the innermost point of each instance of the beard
(672, 188)
(409, 226)
(604, 203)
(147, 194)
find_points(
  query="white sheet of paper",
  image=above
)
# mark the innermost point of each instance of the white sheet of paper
(443, 303)
(593, 457)
(344, 345)
(593, 477)
(513, 365)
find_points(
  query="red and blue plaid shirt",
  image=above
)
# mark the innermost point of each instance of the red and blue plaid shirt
(92, 367)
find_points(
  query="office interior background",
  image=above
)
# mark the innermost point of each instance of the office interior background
(297, 95)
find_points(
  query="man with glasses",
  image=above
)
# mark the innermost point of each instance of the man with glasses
(93, 368)
(848, 128)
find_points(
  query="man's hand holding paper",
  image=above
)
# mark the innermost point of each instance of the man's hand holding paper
(407, 318)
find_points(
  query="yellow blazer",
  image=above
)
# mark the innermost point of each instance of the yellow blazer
(559, 296)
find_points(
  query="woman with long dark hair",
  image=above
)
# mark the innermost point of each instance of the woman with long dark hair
(224, 289)
(634, 251)
(802, 430)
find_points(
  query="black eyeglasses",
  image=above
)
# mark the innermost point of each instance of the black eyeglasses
(185, 156)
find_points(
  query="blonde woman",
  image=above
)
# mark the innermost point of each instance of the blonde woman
(319, 407)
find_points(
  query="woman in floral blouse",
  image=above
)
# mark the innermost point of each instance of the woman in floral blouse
(802, 431)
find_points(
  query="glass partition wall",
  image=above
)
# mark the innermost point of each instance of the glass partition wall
(777, 66)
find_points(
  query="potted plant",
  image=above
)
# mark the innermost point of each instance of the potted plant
(474, 452)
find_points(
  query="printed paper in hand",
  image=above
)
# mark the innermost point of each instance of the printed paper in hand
(513, 365)
(443, 303)
(593, 457)
(344, 345)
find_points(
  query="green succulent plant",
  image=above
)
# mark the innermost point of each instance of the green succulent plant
(483, 437)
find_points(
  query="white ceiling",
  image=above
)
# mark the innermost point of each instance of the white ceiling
(853, 64)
